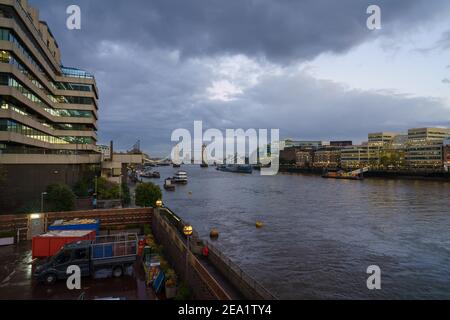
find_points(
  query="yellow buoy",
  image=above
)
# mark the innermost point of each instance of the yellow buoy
(259, 224)
(214, 234)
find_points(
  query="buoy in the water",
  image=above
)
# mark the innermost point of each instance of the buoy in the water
(259, 224)
(214, 234)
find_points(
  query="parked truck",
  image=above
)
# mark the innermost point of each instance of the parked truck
(113, 253)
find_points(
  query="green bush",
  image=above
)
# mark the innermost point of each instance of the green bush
(126, 197)
(107, 190)
(60, 198)
(147, 229)
(81, 188)
(147, 194)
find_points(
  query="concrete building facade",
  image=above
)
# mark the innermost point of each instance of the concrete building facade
(48, 112)
(425, 148)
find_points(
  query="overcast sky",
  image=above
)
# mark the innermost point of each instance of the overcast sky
(310, 68)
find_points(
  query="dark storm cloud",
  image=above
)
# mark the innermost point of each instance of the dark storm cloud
(276, 29)
(148, 59)
(341, 113)
(446, 81)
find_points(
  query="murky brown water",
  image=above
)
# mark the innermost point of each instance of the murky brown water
(320, 235)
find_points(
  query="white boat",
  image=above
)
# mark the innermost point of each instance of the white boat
(180, 177)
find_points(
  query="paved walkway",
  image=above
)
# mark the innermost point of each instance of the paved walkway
(16, 281)
(221, 280)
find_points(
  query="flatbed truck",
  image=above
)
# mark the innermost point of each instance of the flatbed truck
(114, 253)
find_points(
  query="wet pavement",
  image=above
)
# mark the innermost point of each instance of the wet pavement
(16, 281)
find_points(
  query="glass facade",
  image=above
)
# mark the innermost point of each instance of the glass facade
(7, 80)
(75, 100)
(7, 57)
(41, 71)
(7, 35)
(74, 86)
(13, 126)
(4, 105)
(75, 73)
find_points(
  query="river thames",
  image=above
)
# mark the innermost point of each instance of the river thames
(321, 235)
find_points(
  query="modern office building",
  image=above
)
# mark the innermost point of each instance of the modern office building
(48, 112)
(304, 158)
(428, 134)
(105, 150)
(425, 148)
(327, 157)
(447, 155)
(343, 143)
(290, 143)
(381, 138)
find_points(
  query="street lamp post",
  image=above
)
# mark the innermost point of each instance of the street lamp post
(95, 192)
(42, 201)
(120, 188)
(187, 230)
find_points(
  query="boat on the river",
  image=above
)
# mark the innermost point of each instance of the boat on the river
(180, 177)
(168, 184)
(341, 174)
(150, 175)
(236, 168)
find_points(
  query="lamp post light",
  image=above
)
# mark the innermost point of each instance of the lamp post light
(42, 201)
(187, 230)
(159, 203)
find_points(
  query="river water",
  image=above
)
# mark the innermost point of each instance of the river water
(321, 235)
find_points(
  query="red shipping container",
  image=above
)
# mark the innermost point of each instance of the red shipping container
(48, 244)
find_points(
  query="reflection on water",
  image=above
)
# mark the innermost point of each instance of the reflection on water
(320, 235)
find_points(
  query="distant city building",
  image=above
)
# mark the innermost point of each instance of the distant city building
(104, 150)
(446, 154)
(328, 157)
(425, 147)
(341, 143)
(399, 142)
(355, 156)
(304, 158)
(367, 153)
(381, 138)
(428, 134)
(421, 148)
(289, 143)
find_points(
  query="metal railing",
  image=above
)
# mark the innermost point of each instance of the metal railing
(176, 239)
(177, 222)
(241, 274)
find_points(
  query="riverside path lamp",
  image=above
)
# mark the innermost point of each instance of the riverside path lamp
(187, 230)
(159, 203)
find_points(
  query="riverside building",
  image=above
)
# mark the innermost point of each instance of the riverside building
(48, 112)
(425, 148)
